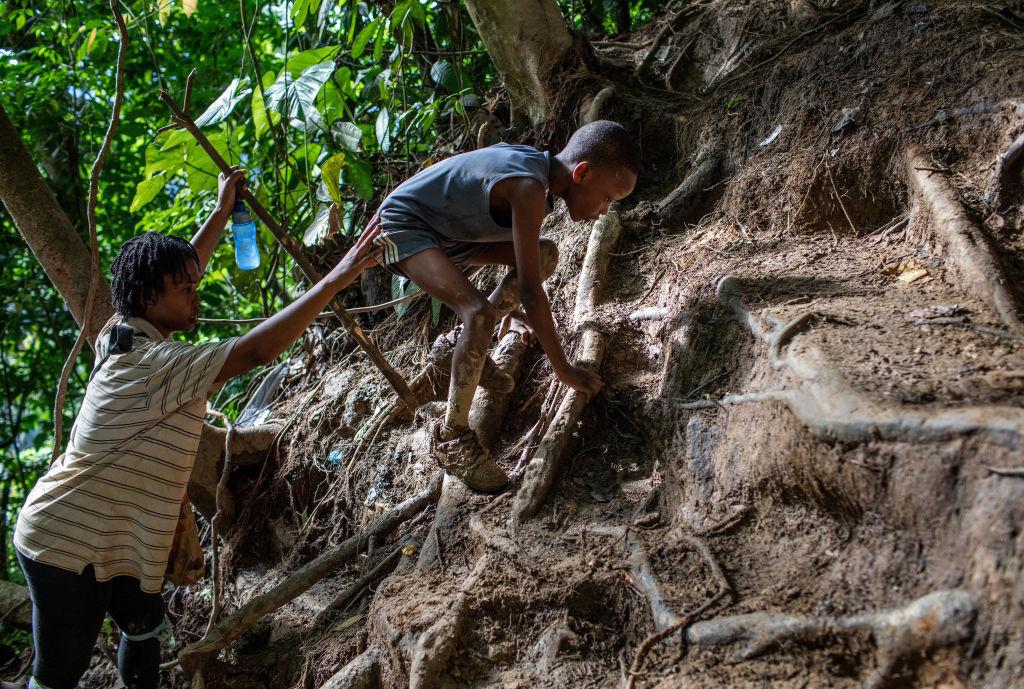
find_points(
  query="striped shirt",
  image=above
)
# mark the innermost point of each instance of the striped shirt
(112, 499)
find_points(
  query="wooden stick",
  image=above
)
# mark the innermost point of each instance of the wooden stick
(182, 119)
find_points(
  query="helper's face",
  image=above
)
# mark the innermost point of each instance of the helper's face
(594, 189)
(176, 308)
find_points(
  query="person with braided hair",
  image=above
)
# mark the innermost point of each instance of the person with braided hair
(95, 532)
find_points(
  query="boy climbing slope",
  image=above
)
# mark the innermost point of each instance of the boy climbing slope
(485, 208)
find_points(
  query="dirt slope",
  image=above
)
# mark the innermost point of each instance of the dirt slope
(851, 479)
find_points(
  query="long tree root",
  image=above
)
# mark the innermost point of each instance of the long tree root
(1002, 173)
(831, 409)
(643, 575)
(540, 472)
(968, 248)
(249, 446)
(435, 645)
(361, 673)
(939, 619)
(15, 605)
(488, 409)
(231, 627)
(682, 198)
(382, 568)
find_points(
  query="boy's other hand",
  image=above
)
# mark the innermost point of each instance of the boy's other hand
(358, 258)
(582, 380)
(228, 187)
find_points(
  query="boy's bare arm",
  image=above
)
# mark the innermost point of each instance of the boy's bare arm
(527, 198)
(205, 240)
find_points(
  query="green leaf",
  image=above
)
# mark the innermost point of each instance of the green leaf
(293, 97)
(359, 174)
(443, 74)
(435, 312)
(221, 108)
(378, 42)
(348, 135)
(330, 172)
(299, 11)
(300, 62)
(160, 160)
(382, 129)
(259, 110)
(146, 191)
(363, 38)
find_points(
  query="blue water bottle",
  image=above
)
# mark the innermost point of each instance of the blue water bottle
(243, 229)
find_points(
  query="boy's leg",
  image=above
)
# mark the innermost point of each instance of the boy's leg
(140, 617)
(505, 297)
(441, 279)
(67, 613)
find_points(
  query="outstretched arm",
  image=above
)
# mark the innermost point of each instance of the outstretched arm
(266, 341)
(205, 240)
(527, 198)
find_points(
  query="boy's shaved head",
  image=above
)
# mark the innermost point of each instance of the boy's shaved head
(602, 143)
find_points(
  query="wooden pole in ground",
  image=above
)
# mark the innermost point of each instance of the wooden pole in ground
(181, 118)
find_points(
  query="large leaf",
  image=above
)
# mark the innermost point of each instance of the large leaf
(259, 110)
(189, 6)
(359, 174)
(221, 108)
(378, 41)
(300, 62)
(146, 191)
(348, 135)
(367, 32)
(382, 128)
(293, 97)
(160, 160)
(330, 172)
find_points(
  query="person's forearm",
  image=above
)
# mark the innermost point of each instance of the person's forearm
(205, 240)
(274, 335)
(538, 312)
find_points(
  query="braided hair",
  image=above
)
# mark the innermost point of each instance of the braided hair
(603, 143)
(137, 274)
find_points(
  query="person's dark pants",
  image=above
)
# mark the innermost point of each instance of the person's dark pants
(67, 613)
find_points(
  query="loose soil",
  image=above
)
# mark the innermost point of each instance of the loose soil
(810, 110)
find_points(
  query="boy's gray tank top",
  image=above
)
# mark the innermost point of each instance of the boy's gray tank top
(452, 197)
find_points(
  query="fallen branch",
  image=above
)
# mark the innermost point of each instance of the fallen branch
(968, 248)
(540, 472)
(1002, 172)
(939, 619)
(681, 199)
(181, 118)
(831, 409)
(234, 625)
(435, 645)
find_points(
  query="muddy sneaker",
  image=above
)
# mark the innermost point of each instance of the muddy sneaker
(464, 457)
(491, 378)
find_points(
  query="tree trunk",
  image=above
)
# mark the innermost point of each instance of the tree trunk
(47, 230)
(525, 39)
